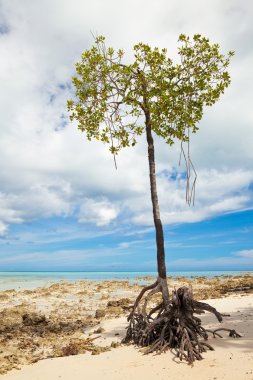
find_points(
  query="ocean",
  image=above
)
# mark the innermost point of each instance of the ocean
(31, 280)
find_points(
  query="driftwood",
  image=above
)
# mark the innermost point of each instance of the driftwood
(172, 325)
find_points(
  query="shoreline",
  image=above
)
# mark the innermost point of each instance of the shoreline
(77, 313)
(34, 279)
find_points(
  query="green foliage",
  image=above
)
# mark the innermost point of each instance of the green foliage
(113, 100)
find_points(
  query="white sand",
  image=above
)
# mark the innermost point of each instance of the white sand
(231, 360)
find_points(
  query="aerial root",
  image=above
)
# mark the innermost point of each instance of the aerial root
(172, 324)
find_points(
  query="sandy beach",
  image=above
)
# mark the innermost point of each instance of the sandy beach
(74, 330)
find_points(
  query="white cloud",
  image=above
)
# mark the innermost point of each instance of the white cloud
(247, 253)
(3, 229)
(127, 244)
(217, 193)
(8, 213)
(48, 169)
(99, 212)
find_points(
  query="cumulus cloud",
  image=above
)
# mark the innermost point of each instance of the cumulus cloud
(8, 213)
(99, 212)
(217, 193)
(3, 229)
(49, 169)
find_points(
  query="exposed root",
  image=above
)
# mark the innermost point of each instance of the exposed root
(232, 333)
(172, 324)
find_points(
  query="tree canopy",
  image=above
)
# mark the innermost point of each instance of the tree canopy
(111, 97)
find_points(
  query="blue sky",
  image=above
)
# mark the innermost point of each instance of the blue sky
(63, 206)
(220, 243)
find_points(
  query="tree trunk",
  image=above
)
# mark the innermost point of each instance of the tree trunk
(161, 265)
(172, 323)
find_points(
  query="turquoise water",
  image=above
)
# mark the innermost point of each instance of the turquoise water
(29, 280)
